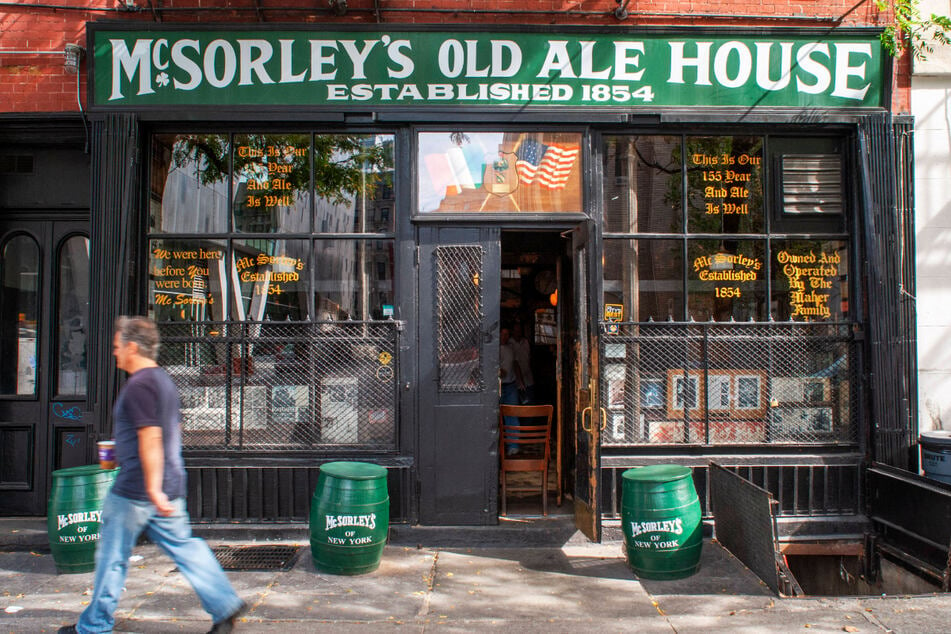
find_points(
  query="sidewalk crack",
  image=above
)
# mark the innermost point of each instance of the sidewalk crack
(430, 584)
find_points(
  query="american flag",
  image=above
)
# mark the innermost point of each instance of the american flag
(547, 165)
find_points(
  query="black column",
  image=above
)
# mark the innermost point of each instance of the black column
(891, 361)
(115, 200)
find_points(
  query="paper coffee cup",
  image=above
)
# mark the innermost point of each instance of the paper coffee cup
(107, 454)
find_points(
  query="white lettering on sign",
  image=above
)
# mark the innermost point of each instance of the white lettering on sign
(596, 69)
(73, 539)
(674, 526)
(812, 75)
(136, 61)
(336, 521)
(62, 521)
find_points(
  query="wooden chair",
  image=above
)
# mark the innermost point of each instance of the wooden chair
(532, 442)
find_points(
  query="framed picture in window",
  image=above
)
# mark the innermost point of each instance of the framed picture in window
(802, 423)
(801, 390)
(253, 408)
(617, 425)
(615, 376)
(720, 392)
(750, 391)
(684, 393)
(338, 410)
(736, 394)
(652, 393)
(289, 403)
(815, 391)
(193, 398)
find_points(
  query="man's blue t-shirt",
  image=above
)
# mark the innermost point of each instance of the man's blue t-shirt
(149, 399)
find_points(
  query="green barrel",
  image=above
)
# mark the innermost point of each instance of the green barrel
(73, 515)
(349, 518)
(660, 515)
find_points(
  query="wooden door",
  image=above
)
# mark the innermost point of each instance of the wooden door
(44, 316)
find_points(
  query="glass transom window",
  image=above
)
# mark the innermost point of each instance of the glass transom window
(498, 172)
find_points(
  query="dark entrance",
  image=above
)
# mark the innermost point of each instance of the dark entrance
(535, 304)
(44, 315)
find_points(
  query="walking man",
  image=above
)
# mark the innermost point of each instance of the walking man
(149, 491)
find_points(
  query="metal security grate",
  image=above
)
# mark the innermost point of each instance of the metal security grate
(745, 524)
(458, 317)
(284, 386)
(728, 384)
(265, 557)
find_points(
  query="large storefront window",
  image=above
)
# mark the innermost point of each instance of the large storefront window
(271, 268)
(498, 172)
(726, 319)
(204, 267)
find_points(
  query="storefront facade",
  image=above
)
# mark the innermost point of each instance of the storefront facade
(332, 225)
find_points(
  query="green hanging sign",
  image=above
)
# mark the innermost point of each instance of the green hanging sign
(354, 69)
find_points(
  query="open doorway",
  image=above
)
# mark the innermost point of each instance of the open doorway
(536, 287)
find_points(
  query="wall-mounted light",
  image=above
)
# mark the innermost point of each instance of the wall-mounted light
(73, 57)
(339, 7)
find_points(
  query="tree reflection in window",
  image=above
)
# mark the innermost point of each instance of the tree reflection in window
(345, 166)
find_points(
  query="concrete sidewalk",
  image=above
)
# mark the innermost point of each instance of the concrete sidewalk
(576, 586)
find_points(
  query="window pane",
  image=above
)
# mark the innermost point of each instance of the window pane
(726, 280)
(642, 184)
(810, 280)
(19, 312)
(353, 279)
(271, 183)
(725, 184)
(72, 316)
(353, 181)
(187, 280)
(645, 278)
(189, 183)
(273, 276)
(499, 172)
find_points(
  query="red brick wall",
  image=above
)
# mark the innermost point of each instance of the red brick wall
(39, 83)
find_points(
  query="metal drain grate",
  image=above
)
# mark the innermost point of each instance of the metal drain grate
(270, 557)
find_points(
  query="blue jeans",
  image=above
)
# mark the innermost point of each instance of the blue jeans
(123, 520)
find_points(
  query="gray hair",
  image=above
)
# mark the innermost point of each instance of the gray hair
(142, 331)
